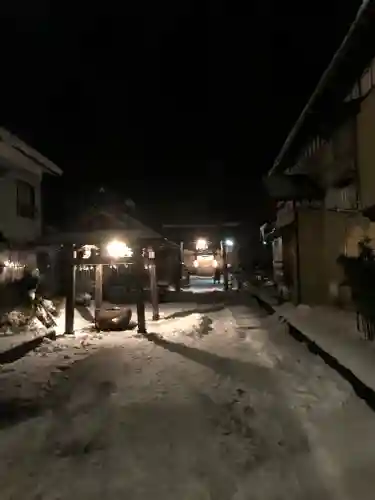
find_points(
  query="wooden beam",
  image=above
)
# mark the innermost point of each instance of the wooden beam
(153, 285)
(141, 312)
(70, 290)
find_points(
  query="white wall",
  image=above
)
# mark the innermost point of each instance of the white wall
(13, 227)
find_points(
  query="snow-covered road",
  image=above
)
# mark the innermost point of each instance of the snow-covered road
(200, 284)
(220, 406)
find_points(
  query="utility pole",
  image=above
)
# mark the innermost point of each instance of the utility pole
(176, 268)
(70, 289)
(141, 313)
(153, 285)
(182, 263)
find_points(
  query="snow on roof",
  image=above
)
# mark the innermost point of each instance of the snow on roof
(347, 56)
(29, 152)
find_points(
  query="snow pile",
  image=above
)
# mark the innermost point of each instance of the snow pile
(18, 322)
(193, 326)
(14, 320)
(49, 306)
(303, 309)
(49, 346)
(25, 319)
(204, 327)
(90, 339)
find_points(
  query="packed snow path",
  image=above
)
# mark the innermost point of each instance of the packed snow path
(221, 406)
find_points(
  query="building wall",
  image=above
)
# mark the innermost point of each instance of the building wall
(343, 164)
(334, 245)
(310, 230)
(323, 229)
(16, 228)
(323, 236)
(321, 241)
(322, 162)
(366, 150)
(289, 265)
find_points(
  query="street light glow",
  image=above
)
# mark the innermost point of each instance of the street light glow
(229, 243)
(118, 249)
(201, 244)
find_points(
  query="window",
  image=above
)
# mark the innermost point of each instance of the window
(25, 200)
(354, 94)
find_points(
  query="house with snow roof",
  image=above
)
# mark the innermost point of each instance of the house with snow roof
(21, 172)
(324, 176)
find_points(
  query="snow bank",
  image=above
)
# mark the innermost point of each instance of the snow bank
(334, 331)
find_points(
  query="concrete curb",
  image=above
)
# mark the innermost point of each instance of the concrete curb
(363, 390)
(20, 350)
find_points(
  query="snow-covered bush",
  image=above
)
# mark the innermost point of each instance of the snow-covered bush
(27, 318)
(49, 306)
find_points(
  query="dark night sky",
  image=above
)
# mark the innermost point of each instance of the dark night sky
(195, 96)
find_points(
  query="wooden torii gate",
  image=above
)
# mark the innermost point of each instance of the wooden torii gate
(74, 258)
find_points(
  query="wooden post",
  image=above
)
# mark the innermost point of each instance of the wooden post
(70, 290)
(225, 265)
(180, 267)
(177, 273)
(153, 285)
(98, 290)
(141, 313)
(182, 251)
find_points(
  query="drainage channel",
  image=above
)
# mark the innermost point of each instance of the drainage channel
(362, 390)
